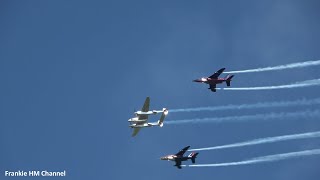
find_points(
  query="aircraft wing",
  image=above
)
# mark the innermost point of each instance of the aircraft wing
(182, 151)
(145, 108)
(213, 87)
(135, 131)
(178, 164)
(217, 74)
(146, 105)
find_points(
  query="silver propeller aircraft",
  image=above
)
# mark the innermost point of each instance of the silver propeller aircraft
(141, 118)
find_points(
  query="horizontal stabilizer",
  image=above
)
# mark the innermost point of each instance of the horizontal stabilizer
(193, 157)
(228, 80)
(228, 83)
(165, 112)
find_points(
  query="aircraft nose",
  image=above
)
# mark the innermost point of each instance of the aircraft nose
(196, 80)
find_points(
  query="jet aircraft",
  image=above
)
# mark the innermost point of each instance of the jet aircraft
(178, 158)
(214, 79)
(141, 118)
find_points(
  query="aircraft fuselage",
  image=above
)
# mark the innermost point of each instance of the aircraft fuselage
(136, 119)
(210, 81)
(175, 158)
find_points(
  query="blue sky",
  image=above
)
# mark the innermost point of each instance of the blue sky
(72, 72)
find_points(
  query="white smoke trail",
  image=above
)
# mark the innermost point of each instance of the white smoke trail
(281, 67)
(267, 116)
(263, 159)
(264, 141)
(301, 102)
(314, 82)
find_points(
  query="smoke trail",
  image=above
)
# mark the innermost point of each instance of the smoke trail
(301, 102)
(267, 116)
(315, 82)
(281, 67)
(264, 140)
(270, 158)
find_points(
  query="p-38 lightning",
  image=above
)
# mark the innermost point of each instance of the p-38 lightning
(141, 117)
(179, 157)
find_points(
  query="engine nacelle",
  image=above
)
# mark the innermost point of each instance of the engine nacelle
(165, 111)
(160, 123)
(143, 113)
(135, 119)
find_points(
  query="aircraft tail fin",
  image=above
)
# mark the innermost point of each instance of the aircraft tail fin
(165, 112)
(228, 79)
(193, 157)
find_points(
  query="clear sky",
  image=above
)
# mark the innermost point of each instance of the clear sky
(72, 73)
